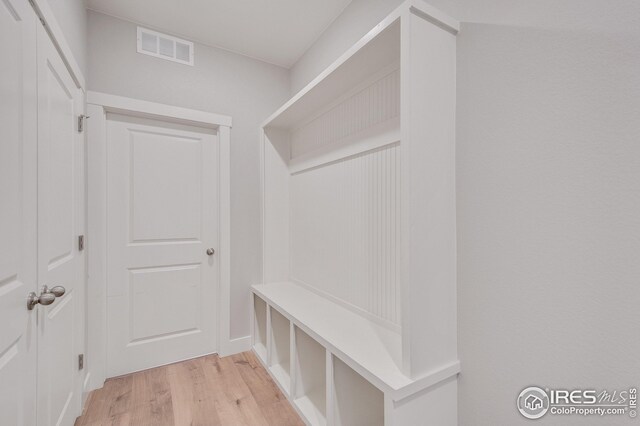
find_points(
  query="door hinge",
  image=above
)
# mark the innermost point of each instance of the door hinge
(80, 361)
(80, 242)
(81, 120)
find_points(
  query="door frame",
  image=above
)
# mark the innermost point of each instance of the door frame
(98, 105)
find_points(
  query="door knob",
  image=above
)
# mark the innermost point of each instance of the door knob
(44, 299)
(210, 251)
(57, 291)
(47, 296)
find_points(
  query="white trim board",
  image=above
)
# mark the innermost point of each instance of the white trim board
(236, 346)
(98, 105)
(121, 104)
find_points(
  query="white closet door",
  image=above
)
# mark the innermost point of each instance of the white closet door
(60, 263)
(17, 212)
(162, 218)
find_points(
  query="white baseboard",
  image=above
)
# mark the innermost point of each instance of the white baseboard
(85, 392)
(235, 346)
(85, 383)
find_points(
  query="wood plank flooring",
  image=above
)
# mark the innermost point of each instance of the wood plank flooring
(207, 391)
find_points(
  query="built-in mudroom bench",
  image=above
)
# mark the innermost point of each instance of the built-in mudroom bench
(355, 318)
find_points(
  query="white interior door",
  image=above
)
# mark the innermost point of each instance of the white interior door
(17, 212)
(60, 263)
(162, 217)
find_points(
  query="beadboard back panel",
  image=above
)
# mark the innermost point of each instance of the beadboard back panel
(375, 103)
(345, 230)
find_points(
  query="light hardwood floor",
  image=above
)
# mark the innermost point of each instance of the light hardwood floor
(207, 391)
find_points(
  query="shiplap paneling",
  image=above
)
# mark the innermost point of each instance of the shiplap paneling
(345, 230)
(374, 104)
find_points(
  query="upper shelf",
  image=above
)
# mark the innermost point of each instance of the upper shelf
(378, 49)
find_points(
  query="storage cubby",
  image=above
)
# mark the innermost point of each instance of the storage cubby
(310, 387)
(260, 327)
(356, 401)
(280, 349)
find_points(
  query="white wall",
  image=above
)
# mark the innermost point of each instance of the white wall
(548, 174)
(548, 170)
(222, 82)
(72, 18)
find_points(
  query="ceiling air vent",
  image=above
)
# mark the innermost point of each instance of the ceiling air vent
(164, 46)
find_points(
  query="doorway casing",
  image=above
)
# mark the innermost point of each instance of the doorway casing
(98, 105)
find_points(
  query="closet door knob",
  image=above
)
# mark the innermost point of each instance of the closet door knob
(58, 291)
(210, 251)
(44, 299)
(47, 296)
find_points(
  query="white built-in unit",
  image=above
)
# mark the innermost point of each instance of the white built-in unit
(356, 316)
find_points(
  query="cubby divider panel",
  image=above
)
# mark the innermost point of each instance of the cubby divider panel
(310, 381)
(356, 401)
(260, 327)
(280, 348)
